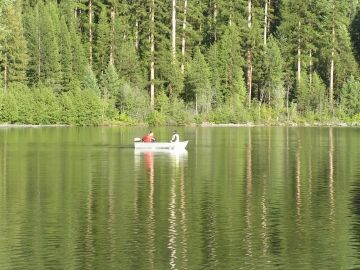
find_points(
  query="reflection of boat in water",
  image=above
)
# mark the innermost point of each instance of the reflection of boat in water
(160, 145)
(175, 162)
(176, 156)
(156, 151)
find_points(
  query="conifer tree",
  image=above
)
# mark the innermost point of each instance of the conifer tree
(101, 48)
(128, 65)
(89, 81)
(50, 61)
(33, 37)
(336, 46)
(273, 75)
(110, 83)
(198, 87)
(227, 63)
(14, 58)
(66, 56)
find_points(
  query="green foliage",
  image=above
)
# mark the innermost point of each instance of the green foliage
(88, 107)
(273, 76)
(102, 42)
(90, 82)
(13, 47)
(178, 114)
(110, 83)
(8, 108)
(128, 64)
(156, 118)
(50, 60)
(350, 97)
(25, 103)
(198, 88)
(55, 73)
(133, 102)
(47, 108)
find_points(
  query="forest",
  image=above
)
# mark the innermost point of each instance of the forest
(178, 62)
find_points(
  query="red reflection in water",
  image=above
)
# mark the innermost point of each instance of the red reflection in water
(149, 160)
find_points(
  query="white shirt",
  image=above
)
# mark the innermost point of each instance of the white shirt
(175, 138)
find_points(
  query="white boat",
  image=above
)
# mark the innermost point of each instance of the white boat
(160, 145)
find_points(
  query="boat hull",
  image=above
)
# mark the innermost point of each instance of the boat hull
(161, 145)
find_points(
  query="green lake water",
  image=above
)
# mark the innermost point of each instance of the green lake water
(238, 198)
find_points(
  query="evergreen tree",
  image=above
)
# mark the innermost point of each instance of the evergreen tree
(355, 34)
(198, 88)
(66, 56)
(89, 81)
(350, 96)
(272, 84)
(101, 47)
(33, 37)
(337, 58)
(50, 60)
(13, 59)
(228, 65)
(294, 32)
(110, 83)
(128, 64)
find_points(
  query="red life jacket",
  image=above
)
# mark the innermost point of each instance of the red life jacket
(147, 138)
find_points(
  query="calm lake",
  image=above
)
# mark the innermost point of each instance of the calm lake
(238, 198)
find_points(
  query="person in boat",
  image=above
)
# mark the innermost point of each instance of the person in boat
(149, 137)
(175, 137)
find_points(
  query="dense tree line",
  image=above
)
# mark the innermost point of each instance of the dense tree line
(178, 61)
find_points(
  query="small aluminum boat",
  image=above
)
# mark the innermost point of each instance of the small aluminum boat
(160, 145)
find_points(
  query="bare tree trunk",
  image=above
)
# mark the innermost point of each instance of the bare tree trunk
(331, 88)
(215, 20)
(39, 55)
(5, 75)
(310, 71)
(196, 103)
(299, 59)
(230, 18)
(287, 100)
(265, 22)
(268, 17)
(137, 35)
(249, 56)
(173, 31)
(112, 42)
(249, 14)
(90, 33)
(152, 55)
(183, 40)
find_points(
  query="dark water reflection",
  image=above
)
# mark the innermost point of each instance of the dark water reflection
(238, 198)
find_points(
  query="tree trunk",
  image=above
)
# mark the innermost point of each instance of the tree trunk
(183, 40)
(249, 14)
(331, 88)
(310, 71)
(137, 35)
(5, 74)
(215, 20)
(196, 104)
(173, 31)
(268, 17)
(230, 17)
(287, 100)
(90, 33)
(265, 22)
(112, 42)
(39, 54)
(299, 59)
(249, 56)
(152, 55)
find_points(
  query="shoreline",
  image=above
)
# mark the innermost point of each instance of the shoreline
(205, 124)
